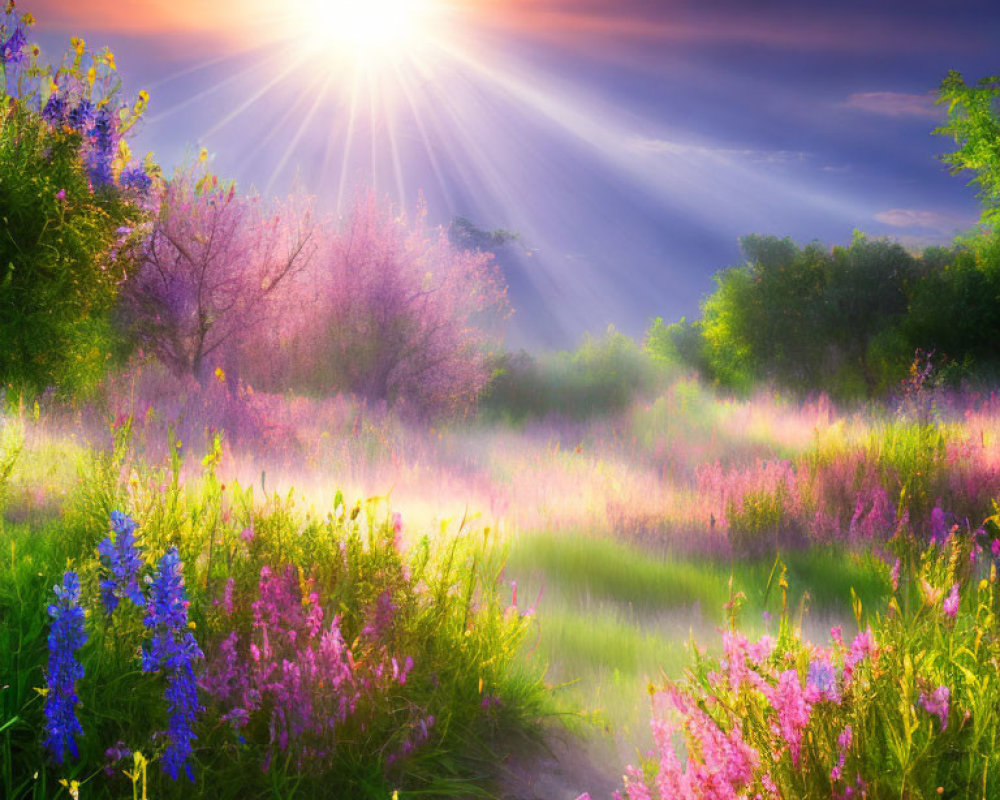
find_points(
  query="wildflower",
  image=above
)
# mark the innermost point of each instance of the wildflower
(61, 195)
(123, 560)
(12, 51)
(81, 115)
(939, 525)
(937, 703)
(135, 179)
(822, 681)
(862, 647)
(54, 111)
(66, 636)
(793, 709)
(114, 755)
(843, 745)
(894, 576)
(173, 648)
(951, 602)
(995, 548)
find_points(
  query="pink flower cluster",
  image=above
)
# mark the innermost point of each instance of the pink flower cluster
(721, 764)
(295, 672)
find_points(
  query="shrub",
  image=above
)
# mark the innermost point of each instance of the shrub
(71, 206)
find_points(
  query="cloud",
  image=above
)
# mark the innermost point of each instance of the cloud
(670, 147)
(895, 104)
(923, 219)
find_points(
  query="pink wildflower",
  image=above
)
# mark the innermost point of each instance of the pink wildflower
(894, 576)
(61, 195)
(951, 602)
(995, 548)
(937, 704)
(862, 647)
(793, 708)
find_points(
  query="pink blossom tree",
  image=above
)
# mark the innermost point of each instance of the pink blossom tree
(404, 317)
(212, 270)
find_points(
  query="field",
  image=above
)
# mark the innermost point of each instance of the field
(534, 578)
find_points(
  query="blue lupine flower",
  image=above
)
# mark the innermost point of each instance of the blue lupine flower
(66, 636)
(13, 51)
(123, 559)
(135, 178)
(54, 111)
(173, 648)
(103, 130)
(99, 168)
(81, 115)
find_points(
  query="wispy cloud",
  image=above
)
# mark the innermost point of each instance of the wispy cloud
(923, 219)
(895, 104)
(670, 147)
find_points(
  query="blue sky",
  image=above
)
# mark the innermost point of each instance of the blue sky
(629, 143)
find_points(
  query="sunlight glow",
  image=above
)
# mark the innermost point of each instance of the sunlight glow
(365, 30)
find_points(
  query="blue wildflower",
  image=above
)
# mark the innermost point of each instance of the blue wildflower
(822, 679)
(103, 130)
(13, 51)
(66, 636)
(122, 558)
(80, 116)
(173, 649)
(136, 179)
(54, 111)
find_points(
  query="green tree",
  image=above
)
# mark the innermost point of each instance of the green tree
(974, 124)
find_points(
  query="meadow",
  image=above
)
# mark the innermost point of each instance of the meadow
(365, 552)
(494, 586)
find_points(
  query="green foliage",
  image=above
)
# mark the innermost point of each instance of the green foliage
(58, 285)
(602, 376)
(974, 124)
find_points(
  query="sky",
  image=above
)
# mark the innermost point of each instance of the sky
(628, 143)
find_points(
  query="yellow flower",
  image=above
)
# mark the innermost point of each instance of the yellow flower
(73, 786)
(203, 154)
(78, 44)
(220, 375)
(91, 76)
(28, 20)
(110, 58)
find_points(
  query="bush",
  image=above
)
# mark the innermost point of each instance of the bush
(70, 206)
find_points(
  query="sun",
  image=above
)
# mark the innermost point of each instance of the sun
(367, 30)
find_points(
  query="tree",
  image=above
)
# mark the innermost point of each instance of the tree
(974, 124)
(404, 317)
(211, 269)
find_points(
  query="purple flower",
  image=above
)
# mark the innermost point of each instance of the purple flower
(939, 525)
(937, 704)
(12, 51)
(54, 111)
(135, 179)
(951, 602)
(80, 115)
(822, 681)
(66, 636)
(122, 559)
(173, 649)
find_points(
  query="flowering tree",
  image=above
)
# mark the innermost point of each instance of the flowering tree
(211, 268)
(406, 317)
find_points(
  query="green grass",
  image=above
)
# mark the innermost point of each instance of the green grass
(613, 617)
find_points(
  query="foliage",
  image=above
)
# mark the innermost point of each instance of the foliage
(807, 318)
(601, 377)
(70, 205)
(211, 271)
(906, 709)
(974, 124)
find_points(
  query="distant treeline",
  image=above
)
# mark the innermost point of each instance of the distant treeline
(845, 321)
